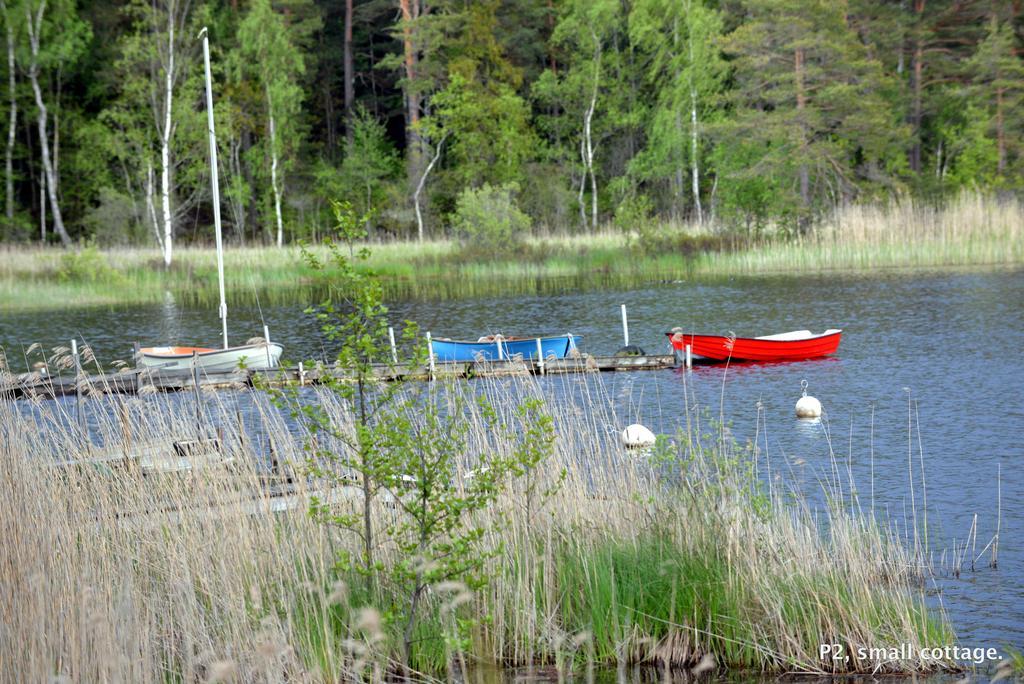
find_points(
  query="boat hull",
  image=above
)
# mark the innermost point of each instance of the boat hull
(456, 350)
(254, 356)
(784, 347)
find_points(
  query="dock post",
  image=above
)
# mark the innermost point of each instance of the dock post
(195, 385)
(625, 328)
(137, 356)
(266, 339)
(79, 409)
(540, 357)
(430, 355)
(689, 357)
(240, 423)
(394, 349)
(302, 374)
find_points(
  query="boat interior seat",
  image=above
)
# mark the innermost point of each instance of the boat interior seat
(791, 335)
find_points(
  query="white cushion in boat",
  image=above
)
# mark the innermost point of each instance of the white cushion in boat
(797, 335)
(792, 335)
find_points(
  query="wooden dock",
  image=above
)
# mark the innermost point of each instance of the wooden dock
(134, 381)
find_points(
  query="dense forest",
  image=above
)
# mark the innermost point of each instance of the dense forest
(559, 114)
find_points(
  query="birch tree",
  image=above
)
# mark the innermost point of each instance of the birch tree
(277, 64)
(170, 65)
(11, 27)
(685, 70)
(582, 89)
(53, 38)
(149, 110)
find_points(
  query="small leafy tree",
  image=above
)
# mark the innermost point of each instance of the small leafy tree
(407, 443)
(358, 323)
(370, 158)
(439, 535)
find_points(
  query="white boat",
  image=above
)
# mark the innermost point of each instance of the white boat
(258, 356)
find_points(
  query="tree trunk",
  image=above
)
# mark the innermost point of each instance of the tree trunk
(694, 161)
(275, 186)
(414, 144)
(42, 208)
(165, 144)
(1000, 132)
(151, 208)
(13, 122)
(801, 106)
(419, 189)
(917, 115)
(34, 30)
(587, 146)
(349, 75)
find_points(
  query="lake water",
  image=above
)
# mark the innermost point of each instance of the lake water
(949, 344)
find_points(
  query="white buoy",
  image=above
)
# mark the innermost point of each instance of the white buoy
(636, 436)
(807, 407)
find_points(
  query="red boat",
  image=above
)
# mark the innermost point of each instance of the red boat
(791, 346)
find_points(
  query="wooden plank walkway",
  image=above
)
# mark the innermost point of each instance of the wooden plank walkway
(133, 381)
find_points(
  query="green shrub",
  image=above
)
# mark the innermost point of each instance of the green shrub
(86, 265)
(489, 217)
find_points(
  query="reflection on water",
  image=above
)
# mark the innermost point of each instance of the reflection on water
(170, 319)
(954, 340)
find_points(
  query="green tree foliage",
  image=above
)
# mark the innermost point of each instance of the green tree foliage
(809, 107)
(996, 88)
(486, 122)
(270, 56)
(741, 114)
(588, 99)
(681, 43)
(370, 160)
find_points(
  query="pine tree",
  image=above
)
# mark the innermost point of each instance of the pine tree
(997, 88)
(808, 107)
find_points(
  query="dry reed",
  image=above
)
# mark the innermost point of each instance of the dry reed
(111, 574)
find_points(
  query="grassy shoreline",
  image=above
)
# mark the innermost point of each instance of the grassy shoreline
(971, 232)
(664, 560)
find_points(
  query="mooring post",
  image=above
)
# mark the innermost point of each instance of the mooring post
(137, 355)
(540, 357)
(302, 374)
(689, 357)
(275, 465)
(625, 328)
(240, 424)
(79, 409)
(195, 385)
(394, 349)
(430, 355)
(266, 340)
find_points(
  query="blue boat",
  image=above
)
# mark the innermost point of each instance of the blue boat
(496, 348)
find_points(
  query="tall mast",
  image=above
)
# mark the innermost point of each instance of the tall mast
(215, 183)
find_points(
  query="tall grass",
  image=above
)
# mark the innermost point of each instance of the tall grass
(969, 231)
(673, 557)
